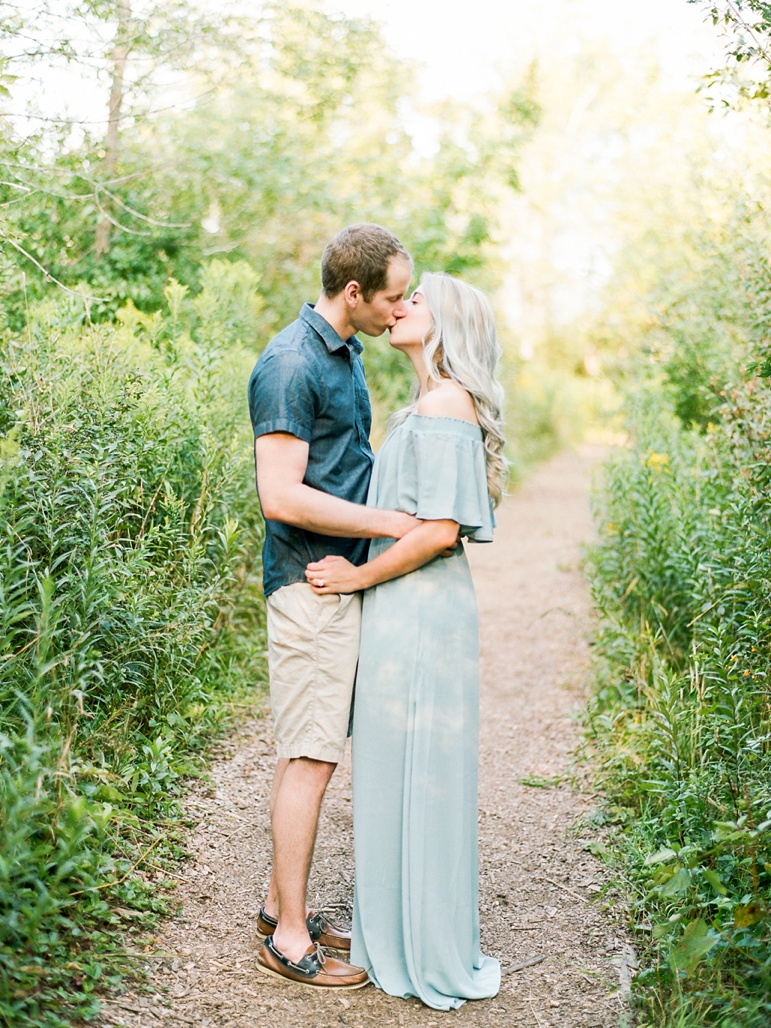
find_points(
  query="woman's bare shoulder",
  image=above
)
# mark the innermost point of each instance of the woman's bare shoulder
(448, 400)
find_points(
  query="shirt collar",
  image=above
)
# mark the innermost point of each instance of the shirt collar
(327, 333)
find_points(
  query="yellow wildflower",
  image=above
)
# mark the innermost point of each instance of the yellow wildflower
(657, 460)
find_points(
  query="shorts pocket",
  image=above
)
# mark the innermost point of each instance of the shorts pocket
(331, 611)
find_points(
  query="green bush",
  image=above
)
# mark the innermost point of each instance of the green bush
(130, 614)
(681, 577)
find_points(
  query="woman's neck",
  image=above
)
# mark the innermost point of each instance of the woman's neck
(419, 364)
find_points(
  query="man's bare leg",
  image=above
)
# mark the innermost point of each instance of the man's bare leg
(299, 788)
(271, 900)
(271, 905)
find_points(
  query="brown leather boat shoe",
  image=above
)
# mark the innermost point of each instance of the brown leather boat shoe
(320, 929)
(314, 968)
(266, 925)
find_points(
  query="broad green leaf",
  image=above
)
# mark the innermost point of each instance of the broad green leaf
(677, 884)
(696, 942)
(713, 878)
(660, 856)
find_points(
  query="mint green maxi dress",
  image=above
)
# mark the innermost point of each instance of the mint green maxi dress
(416, 733)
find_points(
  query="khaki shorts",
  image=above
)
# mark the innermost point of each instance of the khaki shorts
(313, 649)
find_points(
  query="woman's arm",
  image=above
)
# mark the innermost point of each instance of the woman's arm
(430, 539)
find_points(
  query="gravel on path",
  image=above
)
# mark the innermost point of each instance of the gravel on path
(544, 905)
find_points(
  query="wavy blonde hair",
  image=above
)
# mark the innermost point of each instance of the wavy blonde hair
(462, 345)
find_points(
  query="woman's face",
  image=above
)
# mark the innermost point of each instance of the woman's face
(413, 327)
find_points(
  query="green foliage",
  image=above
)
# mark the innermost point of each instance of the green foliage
(746, 28)
(681, 576)
(228, 307)
(53, 867)
(300, 136)
(130, 617)
(50, 212)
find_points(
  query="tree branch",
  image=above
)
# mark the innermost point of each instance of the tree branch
(739, 18)
(50, 277)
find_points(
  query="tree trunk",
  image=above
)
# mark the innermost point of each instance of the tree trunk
(118, 59)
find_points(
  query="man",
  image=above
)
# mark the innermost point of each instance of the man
(311, 417)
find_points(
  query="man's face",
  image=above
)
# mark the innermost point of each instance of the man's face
(386, 306)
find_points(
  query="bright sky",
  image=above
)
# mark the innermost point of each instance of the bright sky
(467, 49)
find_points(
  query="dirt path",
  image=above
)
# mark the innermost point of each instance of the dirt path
(539, 886)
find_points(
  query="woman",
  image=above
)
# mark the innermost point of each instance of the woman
(415, 730)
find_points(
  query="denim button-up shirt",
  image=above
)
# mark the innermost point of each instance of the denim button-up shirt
(310, 383)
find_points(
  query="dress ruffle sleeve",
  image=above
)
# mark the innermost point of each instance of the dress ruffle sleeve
(441, 474)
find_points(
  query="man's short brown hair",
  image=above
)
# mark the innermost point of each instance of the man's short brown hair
(360, 253)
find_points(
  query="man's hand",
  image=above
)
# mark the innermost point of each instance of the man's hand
(452, 550)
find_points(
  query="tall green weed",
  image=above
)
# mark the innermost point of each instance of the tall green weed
(681, 578)
(129, 614)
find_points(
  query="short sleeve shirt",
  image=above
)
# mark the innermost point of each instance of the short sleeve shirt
(310, 383)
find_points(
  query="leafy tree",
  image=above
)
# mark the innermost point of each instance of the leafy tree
(303, 133)
(56, 192)
(746, 27)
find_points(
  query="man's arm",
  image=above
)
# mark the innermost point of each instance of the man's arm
(281, 461)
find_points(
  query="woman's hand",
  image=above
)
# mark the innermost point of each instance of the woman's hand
(334, 575)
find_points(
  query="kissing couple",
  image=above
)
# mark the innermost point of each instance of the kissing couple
(366, 579)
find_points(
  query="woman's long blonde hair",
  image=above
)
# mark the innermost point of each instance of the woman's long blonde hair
(462, 345)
